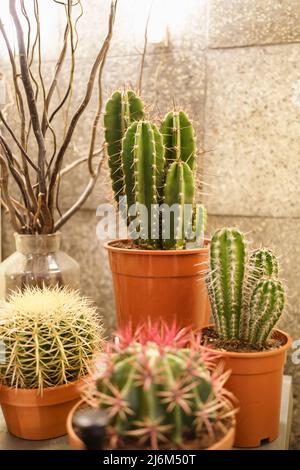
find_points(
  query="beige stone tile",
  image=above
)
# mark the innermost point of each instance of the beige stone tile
(252, 129)
(247, 22)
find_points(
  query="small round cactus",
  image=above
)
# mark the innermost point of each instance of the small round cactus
(157, 393)
(48, 335)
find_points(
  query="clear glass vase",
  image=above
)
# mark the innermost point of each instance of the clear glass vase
(38, 261)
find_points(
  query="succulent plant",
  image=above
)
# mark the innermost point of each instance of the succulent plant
(48, 336)
(155, 171)
(122, 109)
(158, 391)
(246, 297)
(179, 138)
(143, 167)
(266, 306)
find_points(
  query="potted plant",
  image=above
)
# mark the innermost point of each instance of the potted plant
(159, 271)
(47, 336)
(33, 152)
(158, 392)
(247, 300)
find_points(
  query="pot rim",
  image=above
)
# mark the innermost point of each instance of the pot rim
(134, 251)
(258, 354)
(30, 397)
(80, 445)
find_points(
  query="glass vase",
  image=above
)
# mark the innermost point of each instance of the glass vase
(38, 261)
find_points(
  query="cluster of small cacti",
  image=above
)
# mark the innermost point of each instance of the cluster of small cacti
(246, 296)
(157, 392)
(47, 336)
(155, 170)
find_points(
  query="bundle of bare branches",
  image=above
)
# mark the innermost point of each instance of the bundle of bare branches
(37, 173)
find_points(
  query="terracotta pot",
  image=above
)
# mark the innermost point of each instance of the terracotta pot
(161, 285)
(75, 442)
(256, 381)
(30, 415)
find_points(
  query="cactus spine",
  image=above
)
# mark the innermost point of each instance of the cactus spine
(155, 171)
(266, 306)
(246, 297)
(143, 167)
(227, 264)
(121, 110)
(180, 194)
(156, 394)
(262, 263)
(179, 138)
(49, 336)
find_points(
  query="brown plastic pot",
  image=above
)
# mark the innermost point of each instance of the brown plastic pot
(30, 415)
(256, 381)
(163, 285)
(76, 443)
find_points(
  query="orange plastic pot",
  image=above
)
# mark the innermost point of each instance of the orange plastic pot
(256, 381)
(163, 285)
(30, 415)
(76, 443)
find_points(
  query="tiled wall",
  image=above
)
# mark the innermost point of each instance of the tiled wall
(234, 65)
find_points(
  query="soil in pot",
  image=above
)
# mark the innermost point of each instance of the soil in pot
(256, 382)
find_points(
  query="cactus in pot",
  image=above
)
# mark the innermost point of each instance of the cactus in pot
(246, 296)
(48, 337)
(247, 300)
(155, 170)
(159, 391)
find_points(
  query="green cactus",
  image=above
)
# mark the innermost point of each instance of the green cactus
(227, 271)
(121, 110)
(154, 174)
(143, 168)
(246, 298)
(180, 193)
(49, 335)
(156, 394)
(262, 264)
(179, 138)
(266, 306)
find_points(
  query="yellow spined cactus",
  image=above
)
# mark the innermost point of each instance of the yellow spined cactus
(48, 337)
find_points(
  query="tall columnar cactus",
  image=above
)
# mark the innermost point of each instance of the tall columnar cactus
(227, 270)
(155, 171)
(48, 336)
(246, 297)
(143, 168)
(179, 194)
(122, 109)
(158, 394)
(179, 138)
